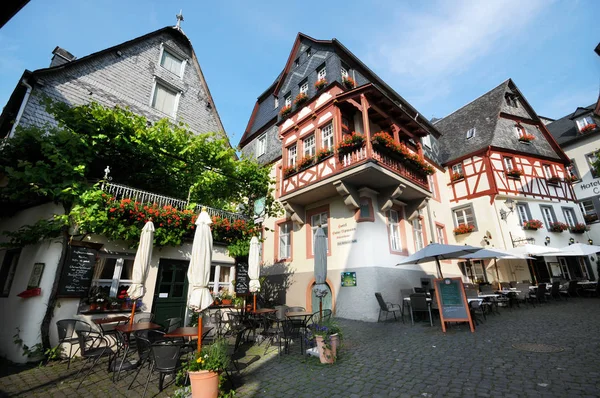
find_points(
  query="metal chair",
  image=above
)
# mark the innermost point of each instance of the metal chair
(165, 360)
(66, 330)
(146, 318)
(477, 311)
(418, 303)
(571, 290)
(93, 347)
(386, 307)
(172, 324)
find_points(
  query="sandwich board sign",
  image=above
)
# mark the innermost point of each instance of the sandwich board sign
(452, 301)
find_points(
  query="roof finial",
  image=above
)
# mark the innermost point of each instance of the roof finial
(179, 19)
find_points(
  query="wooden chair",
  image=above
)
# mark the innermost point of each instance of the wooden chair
(386, 307)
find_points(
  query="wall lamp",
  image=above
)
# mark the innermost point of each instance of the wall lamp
(571, 241)
(547, 240)
(590, 242)
(510, 205)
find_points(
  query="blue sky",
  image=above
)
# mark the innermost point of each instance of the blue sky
(439, 55)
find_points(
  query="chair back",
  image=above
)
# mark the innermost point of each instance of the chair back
(418, 302)
(142, 344)
(281, 310)
(572, 289)
(505, 285)
(513, 283)
(523, 290)
(67, 327)
(88, 339)
(554, 290)
(405, 293)
(173, 323)
(381, 302)
(472, 293)
(541, 291)
(486, 289)
(165, 356)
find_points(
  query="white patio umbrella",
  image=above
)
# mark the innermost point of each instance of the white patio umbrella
(199, 269)
(578, 249)
(436, 252)
(533, 250)
(320, 268)
(254, 267)
(141, 265)
(495, 254)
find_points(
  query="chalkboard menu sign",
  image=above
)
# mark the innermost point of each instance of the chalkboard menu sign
(242, 281)
(452, 301)
(77, 273)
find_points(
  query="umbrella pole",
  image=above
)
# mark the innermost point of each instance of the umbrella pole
(497, 274)
(254, 302)
(199, 331)
(320, 309)
(439, 267)
(132, 312)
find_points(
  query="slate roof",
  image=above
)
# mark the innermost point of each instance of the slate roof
(565, 131)
(483, 114)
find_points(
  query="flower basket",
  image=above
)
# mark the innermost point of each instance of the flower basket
(327, 335)
(288, 171)
(588, 128)
(348, 82)
(579, 228)
(525, 137)
(557, 226)
(320, 84)
(456, 176)
(385, 144)
(514, 173)
(324, 153)
(300, 99)
(590, 218)
(350, 144)
(463, 229)
(286, 110)
(306, 162)
(327, 352)
(533, 225)
(553, 180)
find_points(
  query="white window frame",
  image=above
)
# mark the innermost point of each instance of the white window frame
(520, 130)
(393, 218)
(309, 146)
(426, 141)
(464, 213)
(457, 169)
(166, 87)
(587, 206)
(288, 100)
(431, 180)
(441, 236)
(184, 61)
(343, 72)
(215, 284)
(304, 88)
(116, 280)
(285, 242)
(508, 163)
(417, 228)
(327, 136)
(276, 101)
(261, 145)
(322, 73)
(547, 215)
(584, 121)
(315, 221)
(292, 155)
(523, 213)
(569, 214)
(471, 133)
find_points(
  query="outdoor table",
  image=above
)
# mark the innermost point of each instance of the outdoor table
(104, 321)
(301, 323)
(136, 327)
(188, 331)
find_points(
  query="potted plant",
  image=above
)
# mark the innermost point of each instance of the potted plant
(526, 137)
(321, 83)
(533, 225)
(306, 162)
(205, 367)
(350, 143)
(288, 171)
(572, 178)
(300, 99)
(348, 82)
(324, 153)
(286, 110)
(514, 173)
(588, 128)
(225, 297)
(456, 176)
(579, 228)
(327, 334)
(463, 229)
(557, 226)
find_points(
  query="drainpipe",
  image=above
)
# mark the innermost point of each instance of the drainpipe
(22, 107)
(431, 226)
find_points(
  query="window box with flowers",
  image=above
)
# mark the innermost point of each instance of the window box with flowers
(590, 218)
(554, 180)
(456, 176)
(348, 82)
(514, 173)
(533, 225)
(306, 162)
(300, 99)
(588, 128)
(289, 171)
(324, 153)
(526, 138)
(285, 111)
(320, 84)
(557, 226)
(463, 229)
(572, 178)
(579, 228)
(385, 144)
(350, 143)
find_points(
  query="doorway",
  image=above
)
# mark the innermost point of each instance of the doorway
(170, 293)
(564, 268)
(315, 300)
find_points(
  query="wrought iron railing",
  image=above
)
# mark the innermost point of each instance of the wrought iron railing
(124, 192)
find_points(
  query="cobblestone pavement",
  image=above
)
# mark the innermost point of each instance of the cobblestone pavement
(399, 360)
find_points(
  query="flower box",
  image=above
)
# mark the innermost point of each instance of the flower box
(306, 162)
(300, 99)
(348, 82)
(526, 138)
(590, 218)
(288, 171)
(557, 226)
(286, 110)
(463, 229)
(514, 173)
(579, 228)
(456, 176)
(572, 178)
(323, 154)
(588, 128)
(321, 83)
(385, 144)
(533, 225)
(350, 143)
(553, 180)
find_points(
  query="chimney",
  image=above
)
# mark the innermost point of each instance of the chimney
(61, 56)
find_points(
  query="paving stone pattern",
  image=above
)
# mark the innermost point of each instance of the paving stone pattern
(398, 360)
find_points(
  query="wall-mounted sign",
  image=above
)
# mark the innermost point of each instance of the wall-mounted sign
(36, 276)
(348, 279)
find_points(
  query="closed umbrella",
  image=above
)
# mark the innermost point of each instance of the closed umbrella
(321, 290)
(141, 265)
(436, 252)
(199, 269)
(254, 267)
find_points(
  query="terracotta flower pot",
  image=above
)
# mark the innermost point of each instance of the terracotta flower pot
(226, 301)
(327, 354)
(205, 384)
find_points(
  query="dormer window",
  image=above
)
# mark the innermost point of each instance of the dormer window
(297, 63)
(585, 123)
(471, 133)
(344, 71)
(261, 145)
(288, 99)
(520, 131)
(304, 87)
(308, 52)
(276, 102)
(511, 100)
(322, 73)
(171, 63)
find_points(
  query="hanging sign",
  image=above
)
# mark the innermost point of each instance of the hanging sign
(452, 301)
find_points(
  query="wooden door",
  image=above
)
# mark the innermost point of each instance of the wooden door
(170, 294)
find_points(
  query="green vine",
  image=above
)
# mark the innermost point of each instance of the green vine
(37, 350)
(32, 234)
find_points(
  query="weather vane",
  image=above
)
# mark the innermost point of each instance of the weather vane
(179, 19)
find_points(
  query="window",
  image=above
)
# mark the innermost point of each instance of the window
(431, 180)
(520, 131)
(276, 102)
(171, 63)
(285, 240)
(464, 216)
(471, 133)
(523, 212)
(440, 234)
(417, 233)
(511, 100)
(164, 99)
(547, 171)
(113, 272)
(548, 215)
(292, 156)
(297, 63)
(7, 272)
(588, 210)
(426, 141)
(309, 146)
(591, 159)
(261, 145)
(584, 121)
(365, 210)
(308, 52)
(508, 163)
(344, 71)
(573, 171)
(394, 230)
(327, 136)
(288, 99)
(322, 73)
(304, 87)
(220, 277)
(474, 271)
(315, 221)
(569, 214)
(457, 169)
